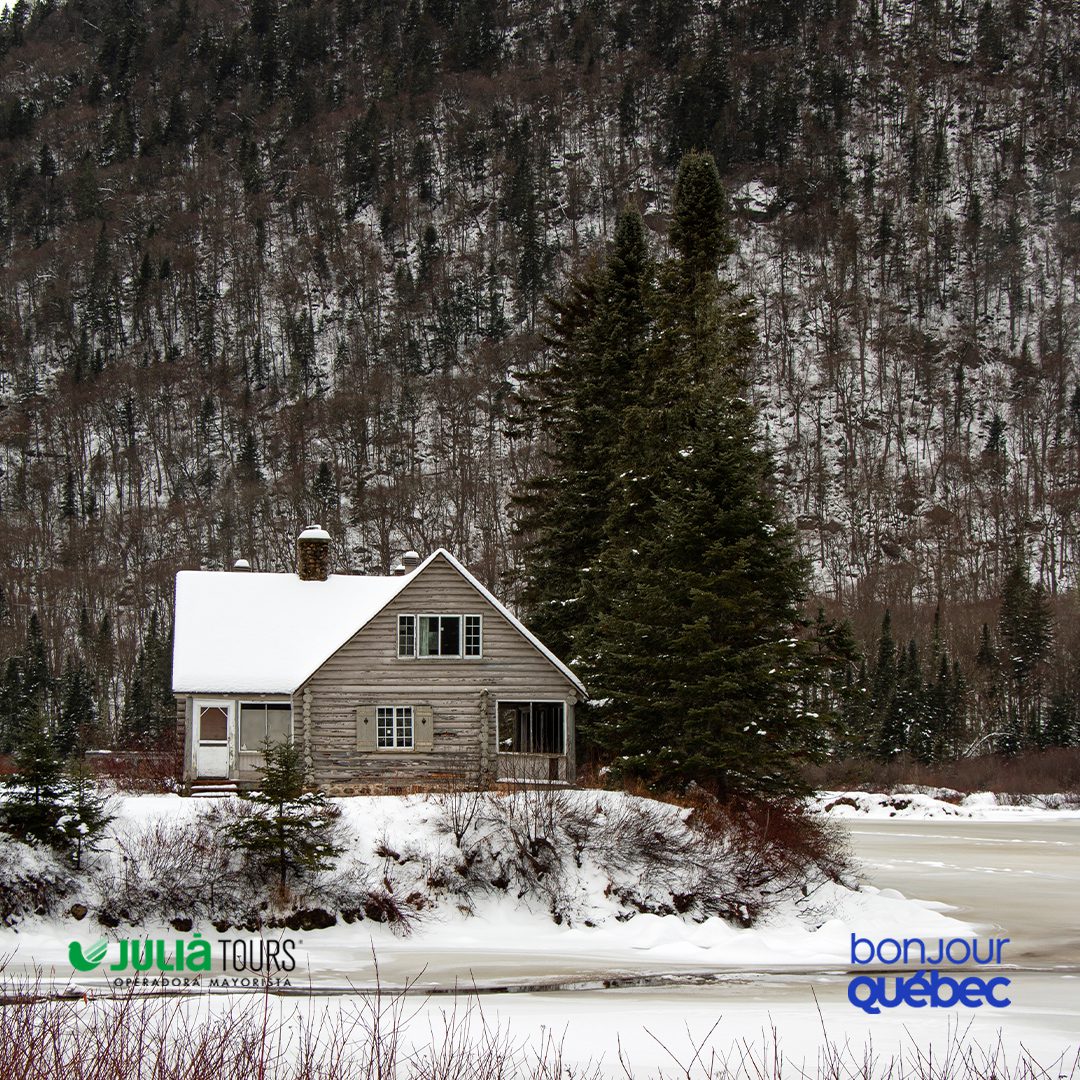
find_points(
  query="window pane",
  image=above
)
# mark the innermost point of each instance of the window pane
(213, 724)
(279, 723)
(510, 730)
(531, 727)
(385, 719)
(450, 635)
(472, 635)
(252, 726)
(405, 728)
(406, 635)
(547, 727)
(429, 635)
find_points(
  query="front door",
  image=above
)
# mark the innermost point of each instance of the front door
(213, 735)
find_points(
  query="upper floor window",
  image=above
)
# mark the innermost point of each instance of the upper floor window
(440, 635)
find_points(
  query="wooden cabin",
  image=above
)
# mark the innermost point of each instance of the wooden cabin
(388, 683)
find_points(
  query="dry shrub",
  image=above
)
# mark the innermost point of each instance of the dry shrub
(1036, 772)
(33, 880)
(364, 1038)
(375, 1037)
(461, 807)
(155, 770)
(172, 869)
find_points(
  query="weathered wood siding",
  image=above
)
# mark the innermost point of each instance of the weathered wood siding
(461, 692)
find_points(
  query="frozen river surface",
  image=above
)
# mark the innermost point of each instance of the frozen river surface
(1015, 879)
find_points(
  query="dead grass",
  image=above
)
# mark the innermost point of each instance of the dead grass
(380, 1036)
(1038, 772)
(154, 770)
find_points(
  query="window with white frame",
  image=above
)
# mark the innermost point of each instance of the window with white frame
(406, 635)
(262, 720)
(453, 636)
(473, 634)
(394, 727)
(532, 727)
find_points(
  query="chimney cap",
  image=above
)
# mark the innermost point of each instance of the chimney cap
(314, 532)
(242, 564)
(410, 558)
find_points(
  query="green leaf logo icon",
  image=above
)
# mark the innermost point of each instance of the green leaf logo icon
(87, 961)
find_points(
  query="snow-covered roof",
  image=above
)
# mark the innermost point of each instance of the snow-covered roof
(267, 633)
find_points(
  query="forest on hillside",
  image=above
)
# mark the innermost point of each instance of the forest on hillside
(271, 262)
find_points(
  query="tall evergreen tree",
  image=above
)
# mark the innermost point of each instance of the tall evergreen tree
(888, 720)
(1027, 629)
(693, 644)
(149, 708)
(579, 404)
(77, 723)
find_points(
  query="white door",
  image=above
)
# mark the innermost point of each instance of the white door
(213, 736)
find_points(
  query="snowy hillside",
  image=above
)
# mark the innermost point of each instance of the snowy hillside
(284, 265)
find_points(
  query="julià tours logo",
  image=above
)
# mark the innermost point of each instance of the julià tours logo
(161, 962)
(928, 985)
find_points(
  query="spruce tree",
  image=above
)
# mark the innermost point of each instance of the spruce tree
(692, 643)
(86, 814)
(1026, 624)
(578, 406)
(290, 830)
(36, 796)
(149, 715)
(888, 720)
(77, 723)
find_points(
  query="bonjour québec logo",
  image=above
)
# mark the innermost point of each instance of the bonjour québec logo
(179, 961)
(929, 985)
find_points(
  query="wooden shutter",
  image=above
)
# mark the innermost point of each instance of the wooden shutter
(423, 727)
(367, 729)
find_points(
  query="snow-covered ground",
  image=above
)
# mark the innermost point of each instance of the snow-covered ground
(496, 938)
(928, 804)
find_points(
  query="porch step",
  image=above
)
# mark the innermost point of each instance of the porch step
(213, 789)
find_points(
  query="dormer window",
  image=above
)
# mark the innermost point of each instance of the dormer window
(444, 636)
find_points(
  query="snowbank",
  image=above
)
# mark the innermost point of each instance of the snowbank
(543, 887)
(927, 804)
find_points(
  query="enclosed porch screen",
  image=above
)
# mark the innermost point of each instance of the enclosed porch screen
(260, 721)
(532, 727)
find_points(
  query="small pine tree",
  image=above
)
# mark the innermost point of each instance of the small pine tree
(86, 815)
(290, 829)
(36, 799)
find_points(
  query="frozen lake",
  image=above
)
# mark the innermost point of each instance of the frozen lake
(1016, 879)
(650, 996)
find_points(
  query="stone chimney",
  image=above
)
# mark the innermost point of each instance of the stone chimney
(241, 566)
(313, 554)
(410, 561)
